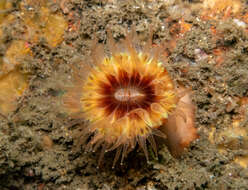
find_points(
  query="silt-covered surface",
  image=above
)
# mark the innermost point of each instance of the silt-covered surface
(207, 53)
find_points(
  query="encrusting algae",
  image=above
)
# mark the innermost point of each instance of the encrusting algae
(126, 98)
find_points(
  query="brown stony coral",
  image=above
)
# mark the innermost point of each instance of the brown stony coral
(125, 97)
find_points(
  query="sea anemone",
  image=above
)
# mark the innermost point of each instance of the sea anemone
(180, 125)
(125, 96)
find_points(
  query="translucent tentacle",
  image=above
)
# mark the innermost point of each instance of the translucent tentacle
(118, 143)
(97, 145)
(153, 144)
(148, 44)
(101, 154)
(125, 146)
(142, 143)
(158, 133)
(111, 42)
(117, 155)
(95, 139)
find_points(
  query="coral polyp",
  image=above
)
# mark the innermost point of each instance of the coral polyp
(125, 97)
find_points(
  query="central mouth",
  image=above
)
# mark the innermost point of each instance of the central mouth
(129, 94)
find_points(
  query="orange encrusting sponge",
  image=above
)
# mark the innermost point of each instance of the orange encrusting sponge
(13, 86)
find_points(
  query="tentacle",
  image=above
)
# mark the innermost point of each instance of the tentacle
(117, 143)
(117, 155)
(148, 44)
(153, 144)
(102, 154)
(142, 143)
(81, 137)
(97, 145)
(111, 42)
(97, 52)
(95, 139)
(159, 133)
(124, 152)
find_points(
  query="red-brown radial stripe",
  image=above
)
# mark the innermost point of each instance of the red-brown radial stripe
(125, 97)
